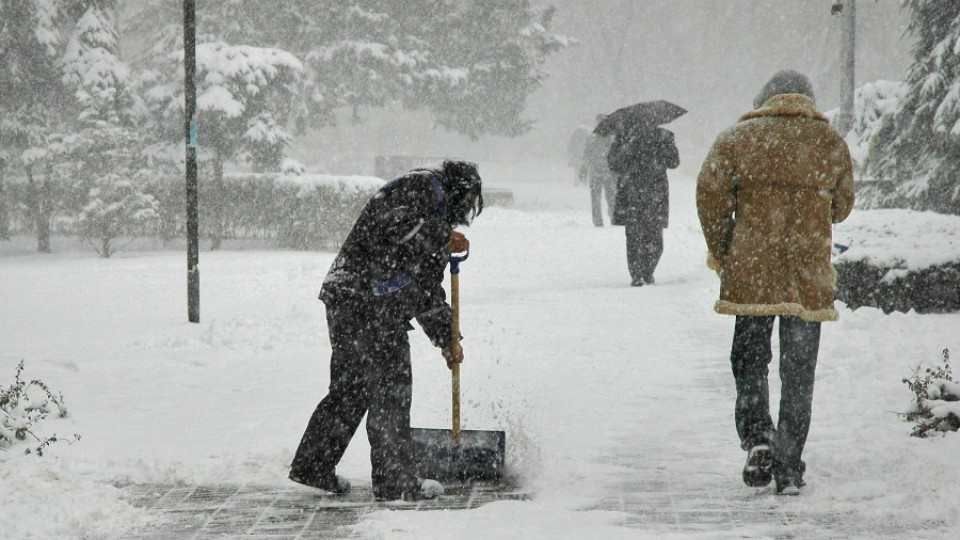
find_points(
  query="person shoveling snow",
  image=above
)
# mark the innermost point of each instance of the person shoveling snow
(388, 272)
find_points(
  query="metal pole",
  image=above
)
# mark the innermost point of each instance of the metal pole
(848, 18)
(190, 128)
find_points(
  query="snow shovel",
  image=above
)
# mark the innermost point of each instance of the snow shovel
(458, 455)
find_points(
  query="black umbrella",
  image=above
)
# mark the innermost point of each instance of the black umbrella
(644, 115)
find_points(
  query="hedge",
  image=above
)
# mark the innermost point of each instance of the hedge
(899, 260)
(309, 212)
(930, 290)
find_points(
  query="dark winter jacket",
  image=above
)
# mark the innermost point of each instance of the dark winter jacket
(768, 193)
(392, 261)
(640, 162)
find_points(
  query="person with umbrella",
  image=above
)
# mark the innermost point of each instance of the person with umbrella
(640, 155)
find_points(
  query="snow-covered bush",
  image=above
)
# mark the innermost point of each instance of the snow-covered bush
(936, 399)
(318, 211)
(23, 405)
(116, 207)
(302, 211)
(874, 106)
(873, 103)
(291, 211)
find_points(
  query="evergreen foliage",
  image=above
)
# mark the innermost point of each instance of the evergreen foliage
(922, 156)
(34, 109)
(935, 289)
(472, 64)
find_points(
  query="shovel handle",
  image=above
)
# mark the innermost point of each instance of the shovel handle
(455, 338)
(455, 261)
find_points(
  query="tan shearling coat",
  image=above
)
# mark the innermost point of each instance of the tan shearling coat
(768, 193)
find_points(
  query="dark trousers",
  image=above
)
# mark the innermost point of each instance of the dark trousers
(370, 373)
(750, 358)
(602, 187)
(644, 249)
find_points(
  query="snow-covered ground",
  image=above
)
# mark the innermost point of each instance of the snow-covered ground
(581, 370)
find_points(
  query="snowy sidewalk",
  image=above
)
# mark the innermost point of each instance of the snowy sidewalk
(691, 488)
(260, 512)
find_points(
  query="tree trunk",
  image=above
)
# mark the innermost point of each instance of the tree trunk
(4, 216)
(38, 200)
(216, 202)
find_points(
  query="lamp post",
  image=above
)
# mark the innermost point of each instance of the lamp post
(847, 11)
(190, 128)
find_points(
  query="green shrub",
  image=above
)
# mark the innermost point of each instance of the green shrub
(22, 406)
(930, 290)
(936, 399)
(287, 212)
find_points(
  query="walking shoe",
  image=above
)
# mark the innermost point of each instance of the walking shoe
(335, 484)
(426, 489)
(789, 485)
(758, 471)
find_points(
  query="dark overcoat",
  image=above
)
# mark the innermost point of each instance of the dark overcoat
(640, 161)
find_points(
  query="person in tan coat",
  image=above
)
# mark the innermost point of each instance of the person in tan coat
(768, 194)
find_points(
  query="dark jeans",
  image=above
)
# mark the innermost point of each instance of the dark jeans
(750, 358)
(644, 249)
(370, 373)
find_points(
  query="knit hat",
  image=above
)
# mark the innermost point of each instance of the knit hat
(786, 81)
(463, 188)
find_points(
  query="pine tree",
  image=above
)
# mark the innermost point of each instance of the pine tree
(34, 98)
(494, 51)
(924, 156)
(105, 147)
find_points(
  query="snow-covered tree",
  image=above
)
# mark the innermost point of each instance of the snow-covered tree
(115, 206)
(489, 55)
(34, 97)
(106, 146)
(924, 156)
(93, 69)
(874, 103)
(243, 92)
(68, 110)
(472, 63)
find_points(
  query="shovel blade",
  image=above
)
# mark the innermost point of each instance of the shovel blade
(478, 457)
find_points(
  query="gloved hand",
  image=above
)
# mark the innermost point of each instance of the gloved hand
(457, 243)
(453, 354)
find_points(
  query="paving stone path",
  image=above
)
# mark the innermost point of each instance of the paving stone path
(274, 513)
(659, 503)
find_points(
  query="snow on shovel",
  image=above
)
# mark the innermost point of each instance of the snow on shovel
(456, 455)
